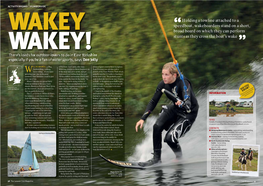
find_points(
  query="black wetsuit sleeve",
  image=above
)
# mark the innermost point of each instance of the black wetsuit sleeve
(187, 92)
(152, 104)
(192, 101)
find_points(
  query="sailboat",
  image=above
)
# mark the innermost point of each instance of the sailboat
(28, 158)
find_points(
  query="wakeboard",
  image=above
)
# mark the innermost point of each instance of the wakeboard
(125, 164)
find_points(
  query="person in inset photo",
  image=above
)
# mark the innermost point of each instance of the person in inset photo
(250, 156)
(243, 159)
(242, 153)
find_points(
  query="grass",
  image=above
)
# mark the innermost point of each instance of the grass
(214, 111)
(248, 109)
(253, 167)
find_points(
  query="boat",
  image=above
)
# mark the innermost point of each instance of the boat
(28, 158)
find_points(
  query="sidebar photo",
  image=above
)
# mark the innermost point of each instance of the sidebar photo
(31, 154)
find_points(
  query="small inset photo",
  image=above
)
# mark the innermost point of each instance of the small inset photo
(245, 160)
(222, 106)
(31, 154)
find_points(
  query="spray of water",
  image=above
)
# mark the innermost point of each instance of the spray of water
(194, 143)
(258, 84)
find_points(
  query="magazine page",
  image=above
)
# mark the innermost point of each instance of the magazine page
(114, 92)
(231, 133)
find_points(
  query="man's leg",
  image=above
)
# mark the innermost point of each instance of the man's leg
(166, 118)
(176, 131)
(164, 121)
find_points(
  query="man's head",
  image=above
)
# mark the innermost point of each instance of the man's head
(169, 73)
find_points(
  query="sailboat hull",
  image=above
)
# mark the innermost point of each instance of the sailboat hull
(27, 172)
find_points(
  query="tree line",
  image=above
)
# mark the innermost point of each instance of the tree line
(255, 152)
(128, 33)
(15, 152)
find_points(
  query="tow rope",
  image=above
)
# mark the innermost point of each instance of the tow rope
(171, 51)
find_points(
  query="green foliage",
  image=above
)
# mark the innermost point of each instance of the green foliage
(212, 113)
(39, 155)
(17, 151)
(48, 159)
(238, 109)
(54, 157)
(128, 33)
(233, 102)
(10, 153)
(212, 102)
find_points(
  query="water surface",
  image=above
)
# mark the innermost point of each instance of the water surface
(47, 169)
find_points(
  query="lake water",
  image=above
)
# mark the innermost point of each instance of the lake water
(47, 169)
(174, 175)
(180, 174)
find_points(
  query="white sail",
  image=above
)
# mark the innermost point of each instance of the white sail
(26, 158)
(36, 166)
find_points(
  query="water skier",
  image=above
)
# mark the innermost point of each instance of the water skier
(170, 119)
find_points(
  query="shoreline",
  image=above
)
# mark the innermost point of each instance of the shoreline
(38, 162)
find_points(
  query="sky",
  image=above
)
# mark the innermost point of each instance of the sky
(44, 141)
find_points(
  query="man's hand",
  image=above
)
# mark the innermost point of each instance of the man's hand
(139, 123)
(178, 103)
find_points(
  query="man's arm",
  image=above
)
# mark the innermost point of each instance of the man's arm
(187, 92)
(155, 99)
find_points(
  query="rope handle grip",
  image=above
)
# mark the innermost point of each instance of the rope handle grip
(176, 98)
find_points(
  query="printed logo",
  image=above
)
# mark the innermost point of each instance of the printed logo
(246, 90)
(14, 74)
(174, 91)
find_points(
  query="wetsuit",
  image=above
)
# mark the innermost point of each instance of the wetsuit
(170, 118)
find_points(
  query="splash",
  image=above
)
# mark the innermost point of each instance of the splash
(258, 84)
(194, 143)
